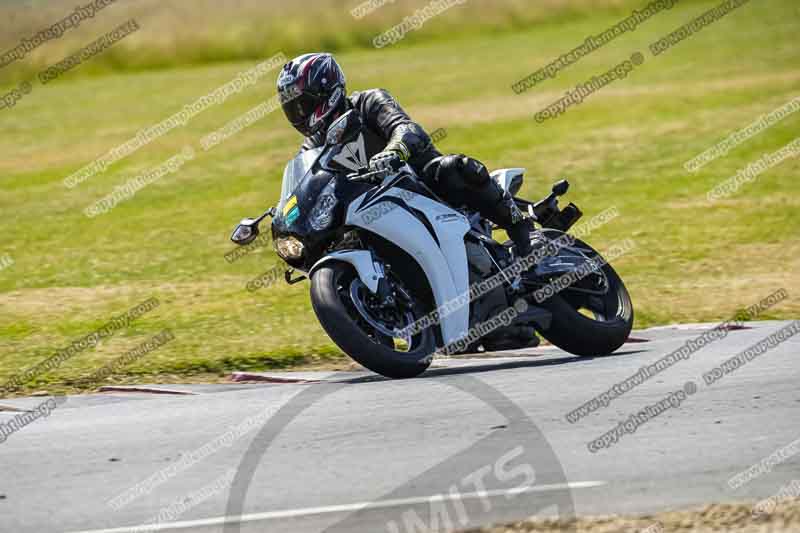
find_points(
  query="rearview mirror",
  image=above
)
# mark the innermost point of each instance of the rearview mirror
(561, 188)
(246, 232)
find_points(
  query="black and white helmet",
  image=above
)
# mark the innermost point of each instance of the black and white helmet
(312, 92)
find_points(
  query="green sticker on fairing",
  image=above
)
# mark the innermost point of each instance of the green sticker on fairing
(292, 215)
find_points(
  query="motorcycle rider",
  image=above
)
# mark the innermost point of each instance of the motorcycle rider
(313, 95)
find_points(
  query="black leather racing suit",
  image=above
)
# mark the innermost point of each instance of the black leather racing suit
(389, 127)
(460, 180)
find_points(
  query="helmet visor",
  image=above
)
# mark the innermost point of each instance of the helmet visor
(299, 108)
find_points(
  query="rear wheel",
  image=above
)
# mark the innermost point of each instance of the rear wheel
(367, 329)
(594, 315)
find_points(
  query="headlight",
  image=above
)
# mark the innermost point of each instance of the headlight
(289, 248)
(321, 215)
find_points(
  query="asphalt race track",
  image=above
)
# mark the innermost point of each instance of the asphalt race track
(474, 441)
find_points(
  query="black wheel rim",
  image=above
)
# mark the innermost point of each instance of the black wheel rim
(599, 296)
(383, 325)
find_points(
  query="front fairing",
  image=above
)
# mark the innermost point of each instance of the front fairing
(294, 173)
(306, 178)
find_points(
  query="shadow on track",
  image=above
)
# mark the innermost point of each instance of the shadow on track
(489, 366)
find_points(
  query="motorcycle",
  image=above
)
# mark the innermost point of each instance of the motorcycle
(396, 273)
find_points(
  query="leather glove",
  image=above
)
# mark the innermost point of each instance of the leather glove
(386, 160)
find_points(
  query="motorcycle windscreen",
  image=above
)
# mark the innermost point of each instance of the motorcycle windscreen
(295, 171)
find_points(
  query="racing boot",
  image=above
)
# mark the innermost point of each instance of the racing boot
(499, 206)
(464, 180)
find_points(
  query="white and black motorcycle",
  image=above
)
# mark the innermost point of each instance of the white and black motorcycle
(397, 273)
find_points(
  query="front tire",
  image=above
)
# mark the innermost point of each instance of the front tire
(343, 321)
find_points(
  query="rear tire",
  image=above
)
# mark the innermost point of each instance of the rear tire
(353, 336)
(581, 335)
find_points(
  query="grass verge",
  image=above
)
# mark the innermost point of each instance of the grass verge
(623, 147)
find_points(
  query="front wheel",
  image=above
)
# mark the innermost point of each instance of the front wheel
(366, 329)
(594, 315)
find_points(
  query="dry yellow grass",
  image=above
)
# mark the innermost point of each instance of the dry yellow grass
(200, 31)
(717, 518)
